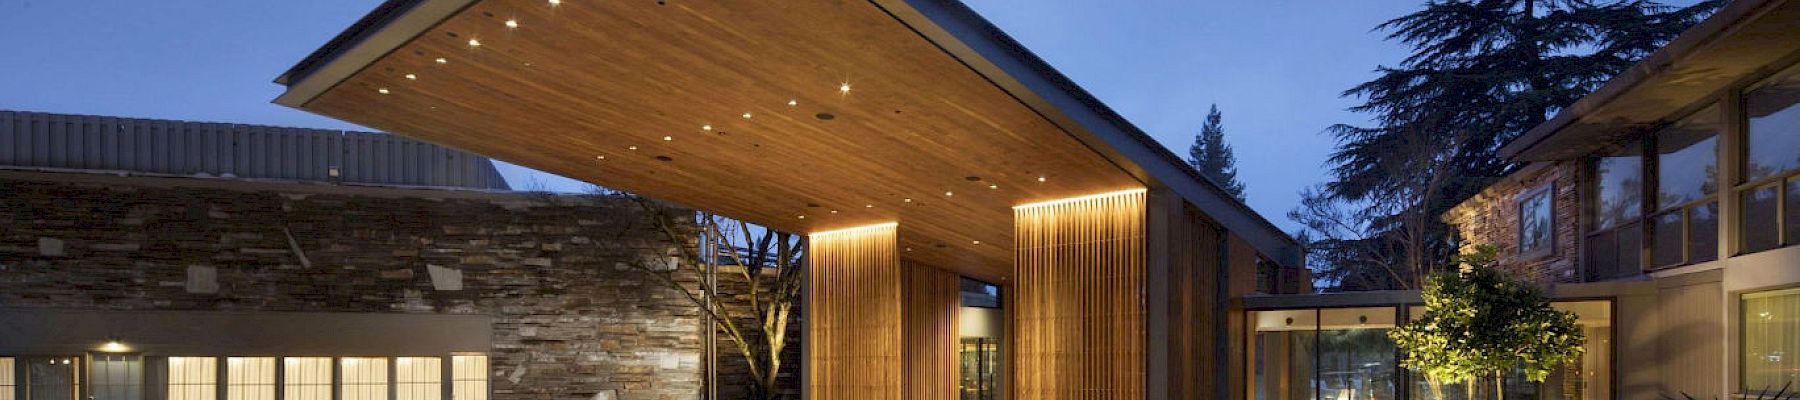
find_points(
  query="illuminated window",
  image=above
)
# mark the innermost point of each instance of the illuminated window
(418, 378)
(7, 386)
(306, 378)
(469, 376)
(193, 378)
(250, 378)
(362, 378)
(1771, 329)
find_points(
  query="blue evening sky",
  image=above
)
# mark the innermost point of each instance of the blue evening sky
(1274, 67)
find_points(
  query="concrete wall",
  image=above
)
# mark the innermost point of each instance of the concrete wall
(569, 320)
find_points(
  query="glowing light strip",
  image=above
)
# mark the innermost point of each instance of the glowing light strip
(856, 229)
(1080, 198)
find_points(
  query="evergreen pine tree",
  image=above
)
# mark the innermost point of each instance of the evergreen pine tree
(1212, 156)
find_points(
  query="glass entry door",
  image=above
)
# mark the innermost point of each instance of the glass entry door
(51, 378)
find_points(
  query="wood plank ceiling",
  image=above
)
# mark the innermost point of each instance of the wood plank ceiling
(737, 107)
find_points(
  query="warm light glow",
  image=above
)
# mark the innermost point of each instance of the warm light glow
(412, 77)
(746, 115)
(883, 225)
(512, 23)
(1040, 179)
(803, 217)
(844, 88)
(599, 157)
(441, 60)
(909, 200)
(993, 186)
(793, 103)
(554, 3)
(473, 42)
(668, 138)
(707, 127)
(948, 194)
(631, 148)
(113, 346)
(868, 206)
(382, 90)
(1080, 198)
(976, 242)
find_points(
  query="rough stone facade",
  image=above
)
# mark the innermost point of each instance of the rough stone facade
(1492, 217)
(572, 320)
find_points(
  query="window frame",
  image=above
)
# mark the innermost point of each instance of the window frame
(1590, 221)
(1741, 345)
(1742, 185)
(1548, 191)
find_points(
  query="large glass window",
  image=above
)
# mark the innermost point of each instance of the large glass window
(306, 378)
(1771, 349)
(1687, 178)
(1588, 379)
(250, 378)
(418, 378)
(1615, 238)
(116, 377)
(362, 378)
(1771, 184)
(193, 378)
(468, 377)
(7, 385)
(1285, 354)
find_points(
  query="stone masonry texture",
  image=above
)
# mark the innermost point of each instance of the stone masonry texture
(1492, 217)
(552, 271)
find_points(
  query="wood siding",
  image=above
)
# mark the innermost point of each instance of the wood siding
(932, 300)
(1191, 245)
(854, 315)
(1079, 278)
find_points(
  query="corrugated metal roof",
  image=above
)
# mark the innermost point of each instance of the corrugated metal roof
(64, 141)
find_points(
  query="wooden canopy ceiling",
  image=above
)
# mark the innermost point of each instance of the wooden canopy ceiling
(736, 107)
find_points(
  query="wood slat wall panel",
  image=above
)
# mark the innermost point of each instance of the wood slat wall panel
(932, 301)
(1079, 275)
(854, 315)
(1193, 292)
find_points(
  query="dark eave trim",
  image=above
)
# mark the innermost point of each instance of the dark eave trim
(990, 52)
(391, 25)
(1644, 72)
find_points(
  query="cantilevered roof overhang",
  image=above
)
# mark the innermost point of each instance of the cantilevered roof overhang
(802, 116)
(1741, 41)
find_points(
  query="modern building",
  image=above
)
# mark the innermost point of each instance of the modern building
(1663, 209)
(915, 143)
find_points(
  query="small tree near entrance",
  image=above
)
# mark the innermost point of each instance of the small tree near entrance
(1480, 325)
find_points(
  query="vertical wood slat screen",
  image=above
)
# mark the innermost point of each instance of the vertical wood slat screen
(1193, 267)
(1079, 278)
(932, 300)
(853, 315)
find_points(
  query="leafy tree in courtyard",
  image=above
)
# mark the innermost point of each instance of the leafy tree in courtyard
(1480, 325)
(1212, 156)
(1481, 73)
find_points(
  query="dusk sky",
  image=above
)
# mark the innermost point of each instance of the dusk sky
(1275, 68)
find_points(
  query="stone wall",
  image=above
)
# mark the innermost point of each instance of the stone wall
(1492, 217)
(572, 321)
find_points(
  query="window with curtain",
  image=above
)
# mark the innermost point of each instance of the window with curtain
(1771, 186)
(1684, 228)
(193, 378)
(115, 377)
(7, 386)
(418, 378)
(1616, 200)
(250, 378)
(469, 377)
(362, 378)
(306, 378)
(1771, 332)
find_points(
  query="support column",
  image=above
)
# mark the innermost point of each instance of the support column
(1079, 280)
(932, 298)
(853, 326)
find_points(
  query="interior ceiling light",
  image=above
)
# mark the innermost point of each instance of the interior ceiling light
(793, 103)
(706, 127)
(746, 115)
(668, 138)
(868, 206)
(473, 42)
(441, 60)
(599, 157)
(909, 200)
(382, 90)
(803, 217)
(554, 3)
(834, 211)
(512, 24)
(1040, 179)
(844, 88)
(976, 242)
(993, 186)
(412, 77)
(631, 148)
(949, 194)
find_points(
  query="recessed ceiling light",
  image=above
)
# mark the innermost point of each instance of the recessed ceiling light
(834, 211)
(803, 217)
(1040, 179)
(668, 138)
(441, 60)
(412, 77)
(382, 90)
(599, 157)
(993, 186)
(706, 127)
(746, 115)
(868, 206)
(631, 148)
(554, 3)
(844, 88)
(792, 102)
(512, 23)
(473, 42)
(909, 249)
(909, 200)
(949, 194)
(976, 242)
